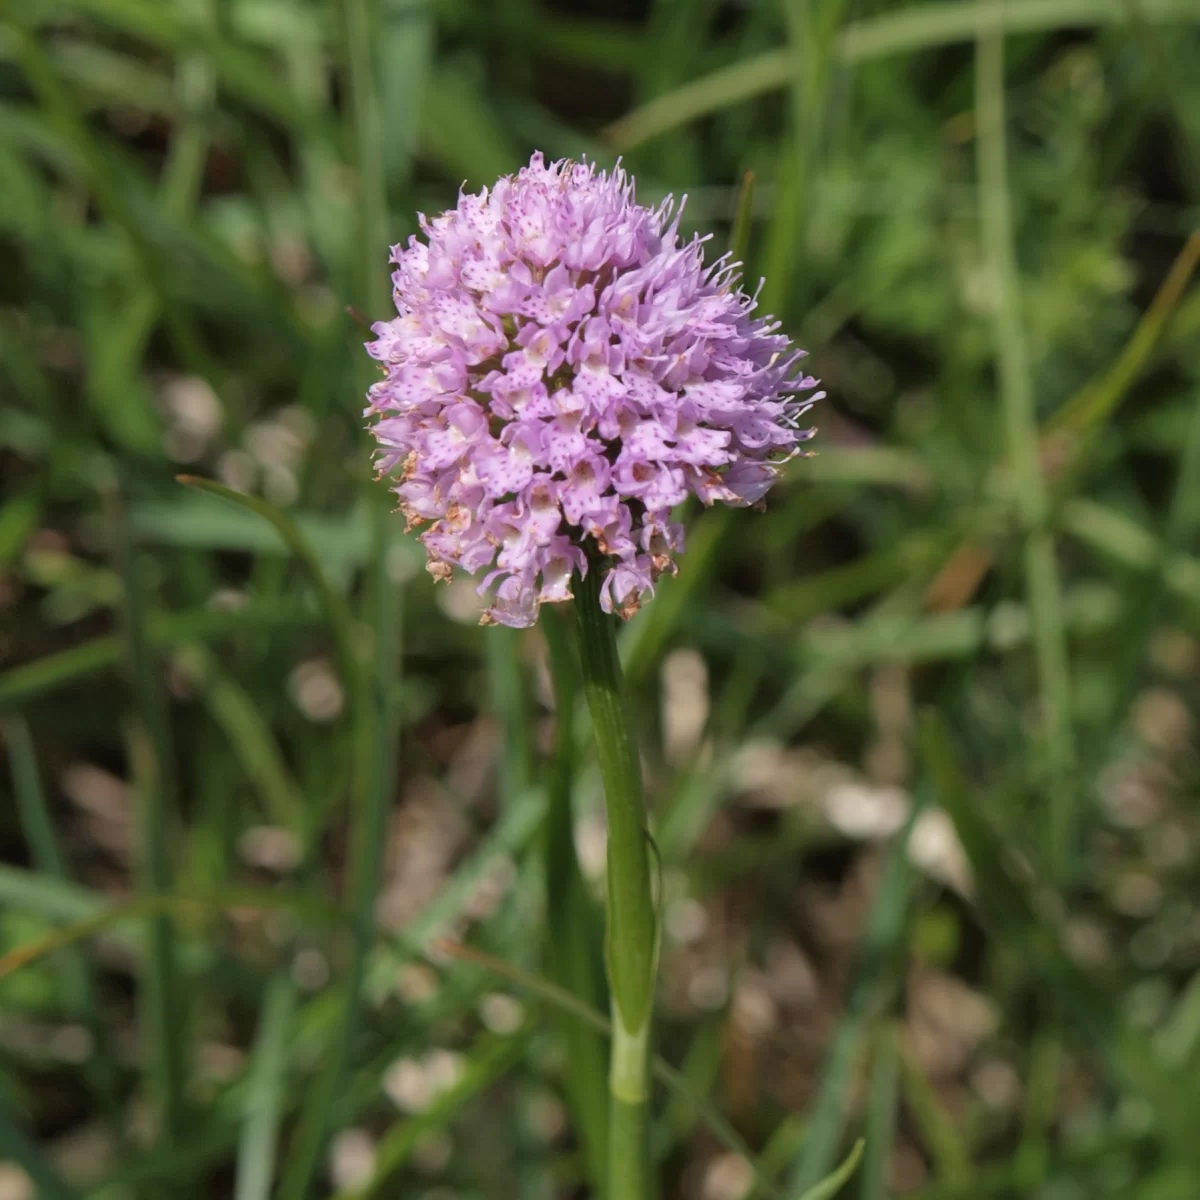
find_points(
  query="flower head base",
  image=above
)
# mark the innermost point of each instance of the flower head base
(562, 373)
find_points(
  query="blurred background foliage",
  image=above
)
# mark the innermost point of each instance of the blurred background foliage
(920, 738)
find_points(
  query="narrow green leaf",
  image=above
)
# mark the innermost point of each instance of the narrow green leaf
(78, 985)
(883, 1094)
(919, 27)
(151, 754)
(484, 1065)
(507, 838)
(337, 611)
(1032, 1162)
(265, 1093)
(1009, 904)
(642, 640)
(873, 979)
(462, 132)
(833, 1183)
(743, 219)
(19, 516)
(88, 914)
(1094, 403)
(19, 685)
(111, 197)
(404, 55)
(251, 739)
(951, 1156)
(246, 74)
(1016, 394)
(31, 799)
(926, 26)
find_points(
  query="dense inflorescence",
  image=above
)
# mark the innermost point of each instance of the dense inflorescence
(563, 372)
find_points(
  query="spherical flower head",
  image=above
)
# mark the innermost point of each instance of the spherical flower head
(563, 372)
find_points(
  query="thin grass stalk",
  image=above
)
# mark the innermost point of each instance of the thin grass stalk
(152, 758)
(32, 812)
(1016, 393)
(1032, 1161)
(914, 28)
(373, 679)
(266, 1093)
(631, 947)
(874, 978)
(883, 1094)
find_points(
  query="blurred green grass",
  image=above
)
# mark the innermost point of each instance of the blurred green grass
(920, 738)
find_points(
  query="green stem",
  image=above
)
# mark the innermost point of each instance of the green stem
(631, 941)
(628, 1147)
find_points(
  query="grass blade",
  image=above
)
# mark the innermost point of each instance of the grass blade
(265, 1093)
(883, 1096)
(374, 736)
(152, 759)
(921, 27)
(88, 914)
(1095, 403)
(743, 219)
(32, 810)
(60, 106)
(375, 724)
(950, 1156)
(242, 72)
(834, 1182)
(885, 927)
(337, 611)
(251, 740)
(490, 1059)
(1024, 919)
(507, 838)
(1032, 1161)
(722, 88)
(34, 816)
(195, 85)
(643, 638)
(22, 684)
(926, 26)
(1016, 393)
(958, 580)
